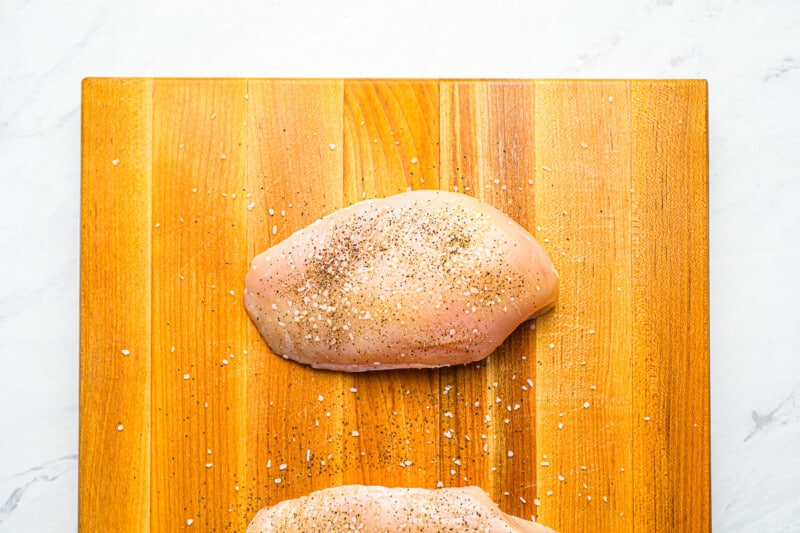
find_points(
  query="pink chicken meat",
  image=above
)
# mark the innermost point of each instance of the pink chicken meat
(380, 509)
(416, 280)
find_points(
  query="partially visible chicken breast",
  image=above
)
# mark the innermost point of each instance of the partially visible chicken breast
(419, 279)
(380, 509)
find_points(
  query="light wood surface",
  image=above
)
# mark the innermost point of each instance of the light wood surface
(595, 417)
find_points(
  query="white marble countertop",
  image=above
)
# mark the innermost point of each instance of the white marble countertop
(748, 50)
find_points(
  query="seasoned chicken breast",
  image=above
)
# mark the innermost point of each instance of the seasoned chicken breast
(380, 509)
(419, 279)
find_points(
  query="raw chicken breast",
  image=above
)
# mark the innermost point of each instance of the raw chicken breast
(380, 509)
(419, 279)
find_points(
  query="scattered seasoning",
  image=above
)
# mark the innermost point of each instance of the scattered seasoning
(126, 352)
(354, 433)
(186, 376)
(119, 427)
(522, 500)
(209, 465)
(586, 405)
(414, 160)
(189, 521)
(332, 146)
(115, 162)
(584, 145)
(223, 156)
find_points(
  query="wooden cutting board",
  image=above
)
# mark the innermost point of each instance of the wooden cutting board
(597, 419)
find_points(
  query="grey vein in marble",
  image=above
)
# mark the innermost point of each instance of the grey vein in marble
(49, 471)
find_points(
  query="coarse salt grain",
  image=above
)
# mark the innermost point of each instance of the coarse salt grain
(354, 433)
(586, 405)
(283, 466)
(320, 398)
(119, 427)
(209, 465)
(115, 162)
(189, 521)
(278, 480)
(223, 156)
(186, 376)
(510, 453)
(332, 146)
(584, 145)
(414, 160)
(126, 352)
(523, 500)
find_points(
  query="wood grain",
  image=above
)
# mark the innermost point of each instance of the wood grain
(593, 417)
(116, 306)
